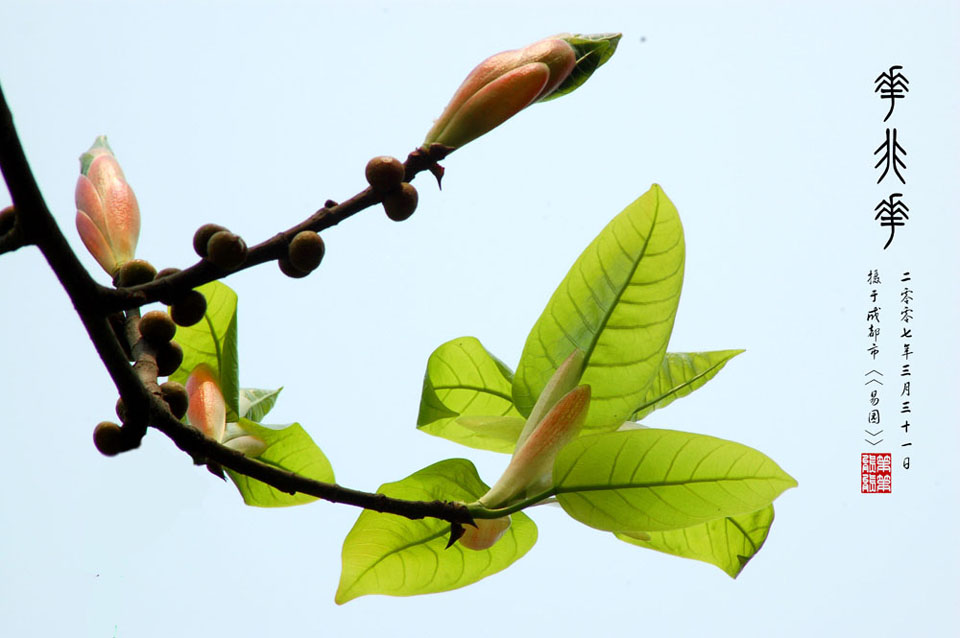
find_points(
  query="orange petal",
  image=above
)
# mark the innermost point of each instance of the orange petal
(556, 54)
(531, 467)
(121, 213)
(486, 534)
(484, 73)
(88, 200)
(96, 243)
(494, 104)
(207, 410)
(565, 378)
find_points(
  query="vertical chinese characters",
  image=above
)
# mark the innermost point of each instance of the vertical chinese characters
(891, 212)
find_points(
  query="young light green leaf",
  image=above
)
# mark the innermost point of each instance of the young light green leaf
(290, 448)
(214, 341)
(387, 554)
(592, 52)
(657, 480)
(729, 542)
(464, 382)
(495, 433)
(617, 304)
(680, 374)
(255, 403)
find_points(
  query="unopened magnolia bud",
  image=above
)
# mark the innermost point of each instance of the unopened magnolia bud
(306, 251)
(136, 272)
(202, 237)
(8, 219)
(175, 396)
(188, 309)
(226, 250)
(157, 327)
(504, 84)
(109, 439)
(384, 173)
(207, 410)
(531, 468)
(401, 203)
(486, 534)
(169, 358)
(565, 378)
(108, 217)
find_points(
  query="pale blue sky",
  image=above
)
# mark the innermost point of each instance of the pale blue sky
(757, 118)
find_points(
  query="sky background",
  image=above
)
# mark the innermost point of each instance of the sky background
(758, 119)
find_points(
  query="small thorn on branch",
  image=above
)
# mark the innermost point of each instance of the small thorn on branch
(456, 531)
(426, 159)
(216, 469)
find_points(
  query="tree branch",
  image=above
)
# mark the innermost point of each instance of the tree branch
(35, 225)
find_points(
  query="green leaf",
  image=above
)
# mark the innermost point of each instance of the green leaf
(680, 374)
(387, 554)
(729, 543)
(467, 399)
(255, 403)
(617, 304)
(289, 448)
(657, 480)
(214, 341)
(592, 52)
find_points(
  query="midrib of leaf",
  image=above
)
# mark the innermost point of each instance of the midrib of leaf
(216, 343)
(677, 389)
(753, 545)
(439, 534)
(680, 483)
(476, 389)
(636, 264)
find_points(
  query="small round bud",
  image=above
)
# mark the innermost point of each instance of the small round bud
(166, 272)
(157, 327)
(176, 398)
(169, 358)
(330, 204)
(8, 219)
(306, 251)
(401, 203)
(289, 269)
(136, 272)
(226, 250)
(384, 173)
(202, 237)
(109, 439)
(188, 309)
(121, 411)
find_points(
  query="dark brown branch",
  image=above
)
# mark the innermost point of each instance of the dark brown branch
(35, 225)
(195, 443)
(168, 288)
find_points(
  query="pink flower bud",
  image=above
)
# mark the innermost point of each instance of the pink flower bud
(207, 410)
(108, 217)
(486, 534)
(500, 87)
(531, 468)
